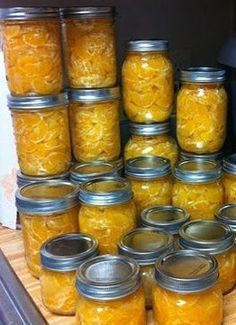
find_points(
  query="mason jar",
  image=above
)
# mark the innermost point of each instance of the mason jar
(215, 238)
(110, 292)
(151, 181)
(186, 290)
(41, 128)
(60, 258)
(148, 81)
(23, 179)
(201, 110)
(47, 209)
(107, 211)
(198, 188)
(31, 39)
(94, 121)
(229, 178)
(216, 156)
(151, 140)
(227, 215)
(145, 245)
(90, 51)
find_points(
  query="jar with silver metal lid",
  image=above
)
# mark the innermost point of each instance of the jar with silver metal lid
(229, 178)
(110, 291)
(23, 179)
(94, 120)
(150, 179)
(60, 258)
(90, 49)
(201, 110)
(107, 210)
(148, 81)
(47, 209)
(32, 50)
(41, 128)
(227, 215)
(151, 140)
(215, 238)
(186, 290)
(145, 245)
(198, 188)
(216, 156)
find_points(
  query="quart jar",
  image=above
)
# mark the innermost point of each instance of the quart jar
(151, 181)
(229, 178)
(107, 211)
(186, 290)
(110, 292)
(198, 188)
(201, 110)
(60, 258)
(90, 49)
(145, 245)
(42, 136)
(94, 120)
(216, 156)
(47, 209)
(32, 50)
(25, 180)
(151, 140)
(215, 238)
(227, 215)
(148, 81)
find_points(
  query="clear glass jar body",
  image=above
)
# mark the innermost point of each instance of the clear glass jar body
(129, 310)
(90, 52)
(200, 308)
(201, 117)
(58, 291)
(161, 145)
(33, 56)
(201, 200)
(229, 182)
(148, 86)
(227, 270)
(95, 130)
(36, 229)
(42, 140)
(147, 272)
(108, 223)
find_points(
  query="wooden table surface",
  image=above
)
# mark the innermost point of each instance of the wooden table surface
(12, 246)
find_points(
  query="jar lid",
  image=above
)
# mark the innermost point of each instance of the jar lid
(83, 172)
(207, 236)
(167, 217)
(148, 45)
(196, 171)
(105, 191)
(47, 197)
(23, 179)
(229, 164)
(202, 74)
(25, 13)
(149, 129)
(37, 102)
(216, 156)
(87, 12)
(147, 167)
(186, 271)
(227, 215)
(93, 95)
(145, 245)
(67, 252)
(108, 277)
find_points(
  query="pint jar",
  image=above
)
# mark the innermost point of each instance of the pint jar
(110, 292)
(201, 110)
(60, 258)
(229, 178)
(23, 179)
(47, 209)
(227, 215)
(32, 50)
(42, 136)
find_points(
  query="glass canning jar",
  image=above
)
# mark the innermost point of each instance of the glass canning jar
(186, 290)
(151, 181)
(60, 258)
(148, 81)
(145, 245)
(216, 156)
(229, 178)
(110, 292)
(107, 211)
(25, 180)
(47, 209)
(94, 119)
(151, 140)
(41, 128)
(31, 40)
(90, 51)
(201, 110)
(227, 215)
(198, 188)
(215, 238)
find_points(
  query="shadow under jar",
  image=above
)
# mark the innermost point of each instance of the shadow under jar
(229, 178)
(216, 156)
(47, 209)
(23, 179)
